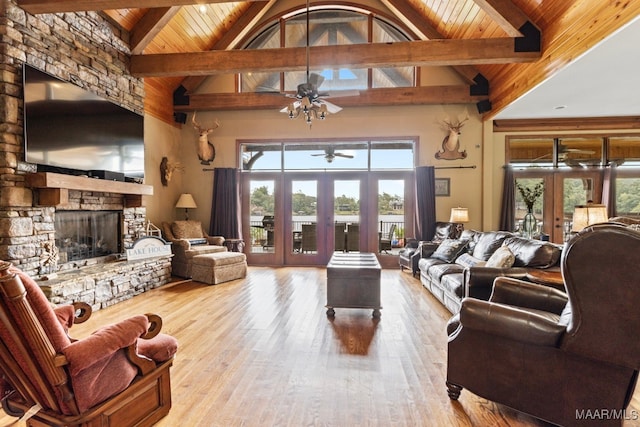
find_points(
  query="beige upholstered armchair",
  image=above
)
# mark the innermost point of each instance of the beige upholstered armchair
(189, 239)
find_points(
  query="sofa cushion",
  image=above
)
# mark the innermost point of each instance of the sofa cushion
(501, 258)
(488, 243)
(437, 271)
(471, 236)
(454, 283)
(467, 260)
(425, 263)
(187, 230)
(533, 253)
(449, 249)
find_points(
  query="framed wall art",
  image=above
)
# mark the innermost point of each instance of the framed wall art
(443, 187)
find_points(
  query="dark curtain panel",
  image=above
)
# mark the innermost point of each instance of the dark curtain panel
(225, 204)
(425, 202)
(507, 214)
(609, 189)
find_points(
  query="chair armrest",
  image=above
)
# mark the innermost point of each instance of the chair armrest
(183, 244)
(515, 292)
(215, 240)
(426, 249)
(105, 342)
(478, 281)
(509, 322)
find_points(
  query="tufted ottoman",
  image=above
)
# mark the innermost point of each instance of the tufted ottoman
(218, 267)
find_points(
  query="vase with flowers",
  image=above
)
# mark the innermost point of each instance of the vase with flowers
(529, 196)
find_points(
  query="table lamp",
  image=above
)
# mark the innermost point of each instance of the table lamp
(186, 201)
(459, 216)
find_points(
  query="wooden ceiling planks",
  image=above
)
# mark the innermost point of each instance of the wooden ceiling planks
(584, 25)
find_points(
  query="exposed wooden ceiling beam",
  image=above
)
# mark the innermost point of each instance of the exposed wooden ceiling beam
(55, 6)
(373, 97)
(506, 14)
(149, 26)
(402, 54)
(418, 23)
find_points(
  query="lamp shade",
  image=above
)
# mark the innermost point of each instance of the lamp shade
(585, 215)
(186, 201)
(459, 215)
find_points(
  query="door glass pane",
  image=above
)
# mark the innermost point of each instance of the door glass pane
(627, 196)
(576, 191)
(261, 205)
(304, 216)
(346, 206)
(390, 215)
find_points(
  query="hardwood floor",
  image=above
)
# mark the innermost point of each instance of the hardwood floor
(261, 352)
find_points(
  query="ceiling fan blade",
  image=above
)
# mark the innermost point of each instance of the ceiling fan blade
(296, 104)
(316, 79)
(331, 108)
(347, 156)
(323, 154)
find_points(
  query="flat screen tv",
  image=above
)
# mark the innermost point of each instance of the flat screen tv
(71, 130)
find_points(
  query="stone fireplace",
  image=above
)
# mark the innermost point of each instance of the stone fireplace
(84, 235)
(70, 232)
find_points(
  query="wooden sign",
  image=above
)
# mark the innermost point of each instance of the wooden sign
(148, 247)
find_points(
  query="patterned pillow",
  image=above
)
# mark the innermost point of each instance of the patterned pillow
(450, 249)
(187, 229)
(501, 258)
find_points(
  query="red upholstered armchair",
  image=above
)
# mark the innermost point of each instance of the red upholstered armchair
(553, 355)
(117, 376)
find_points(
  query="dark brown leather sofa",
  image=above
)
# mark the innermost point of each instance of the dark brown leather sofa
(570, 359)
(416, 249)
(452, 275)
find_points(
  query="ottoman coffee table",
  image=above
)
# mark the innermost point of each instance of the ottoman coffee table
(353, 281)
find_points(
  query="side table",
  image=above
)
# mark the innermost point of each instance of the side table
(234, 245)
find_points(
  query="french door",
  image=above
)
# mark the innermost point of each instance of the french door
(563, 190)
(302, 218)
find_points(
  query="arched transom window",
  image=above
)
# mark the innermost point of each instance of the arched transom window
(328, 27)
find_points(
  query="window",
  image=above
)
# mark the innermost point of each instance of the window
(329, 27)
(328, 155)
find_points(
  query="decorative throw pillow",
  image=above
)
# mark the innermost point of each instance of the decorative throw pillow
(501, 258)
(187, 229)
(450, 249)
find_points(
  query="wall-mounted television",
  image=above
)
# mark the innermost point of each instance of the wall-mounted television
(71, 130)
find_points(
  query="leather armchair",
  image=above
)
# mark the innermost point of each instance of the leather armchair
(555, 355)
(414, 249)
(189, 239)
(105, 379)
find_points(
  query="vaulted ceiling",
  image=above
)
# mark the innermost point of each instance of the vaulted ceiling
(500, 48)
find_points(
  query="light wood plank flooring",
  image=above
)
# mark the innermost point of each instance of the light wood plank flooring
(261, 352)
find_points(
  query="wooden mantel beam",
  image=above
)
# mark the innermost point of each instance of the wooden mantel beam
(459, 94)
(56, 6)
(415, 53)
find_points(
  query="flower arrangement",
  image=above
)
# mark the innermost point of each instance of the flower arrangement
(530, 195)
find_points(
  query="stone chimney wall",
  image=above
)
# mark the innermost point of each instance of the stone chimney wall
(83, 48)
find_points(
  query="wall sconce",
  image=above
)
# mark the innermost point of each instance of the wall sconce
(585, 215)
(459, 216)
(186, 201)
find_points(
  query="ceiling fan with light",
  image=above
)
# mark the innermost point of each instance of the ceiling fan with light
(309, 102)
(330, 154)
(564, 153)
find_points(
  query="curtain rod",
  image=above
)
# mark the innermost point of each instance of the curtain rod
(455, 167)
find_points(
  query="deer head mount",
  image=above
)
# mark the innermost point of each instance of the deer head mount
(206, 151)
(451, 142)
(167, 169)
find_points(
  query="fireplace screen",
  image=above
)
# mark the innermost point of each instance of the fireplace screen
(87, 234)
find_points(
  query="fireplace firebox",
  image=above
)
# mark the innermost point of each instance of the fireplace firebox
(87, 234)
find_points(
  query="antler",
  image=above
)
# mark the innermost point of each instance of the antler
(200, 129)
